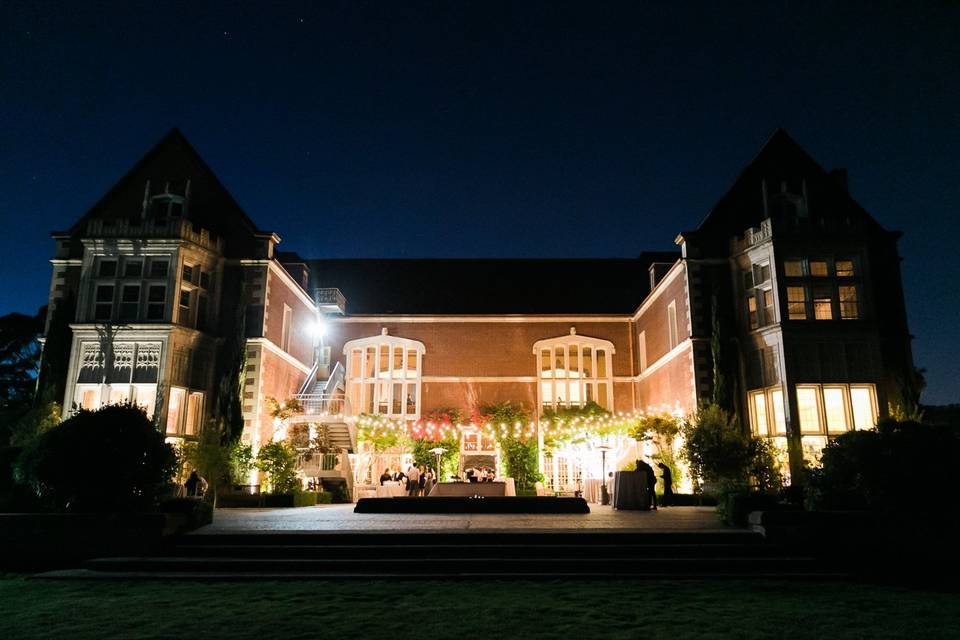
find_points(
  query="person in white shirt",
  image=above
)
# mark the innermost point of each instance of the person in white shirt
(413, 481)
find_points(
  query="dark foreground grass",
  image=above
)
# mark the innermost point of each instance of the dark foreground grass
(466, 609)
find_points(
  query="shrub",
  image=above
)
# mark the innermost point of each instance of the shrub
(719, 451)
(112, 459)
(242, 462)
(305, 498)
(279, 461)
(518, 452)
(882, 469)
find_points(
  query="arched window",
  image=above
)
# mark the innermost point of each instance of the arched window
(574, 370)
(383, 376)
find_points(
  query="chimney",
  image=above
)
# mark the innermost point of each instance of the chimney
(840, 176)
(657, 271)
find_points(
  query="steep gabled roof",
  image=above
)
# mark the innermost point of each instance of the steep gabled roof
(780, 158)
(173, 158)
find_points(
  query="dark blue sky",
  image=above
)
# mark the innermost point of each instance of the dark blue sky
(360, 129)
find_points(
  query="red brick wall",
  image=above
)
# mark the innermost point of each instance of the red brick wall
(484, 348)
(278, 379)
(671, 384)
(488, 349)
(653, 319)
(280, 291)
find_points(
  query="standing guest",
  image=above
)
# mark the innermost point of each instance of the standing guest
(385, 476)
(428, 481)
(422, 483)
(651, 484)
(192, 483)
(413, 481)
(667, 484)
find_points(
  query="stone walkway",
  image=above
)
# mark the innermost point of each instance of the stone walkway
(340, 517)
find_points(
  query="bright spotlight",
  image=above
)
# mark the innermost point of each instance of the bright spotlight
(319, 329)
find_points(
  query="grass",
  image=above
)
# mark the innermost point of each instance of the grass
(468, 609)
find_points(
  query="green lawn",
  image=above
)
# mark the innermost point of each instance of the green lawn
(466, 610)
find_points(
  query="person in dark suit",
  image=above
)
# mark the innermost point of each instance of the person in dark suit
(667, 477)
(651, 484)
(385, 476)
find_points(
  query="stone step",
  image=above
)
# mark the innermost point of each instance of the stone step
(815, 574)
(454, 551)
(431, 539)
(457, 566)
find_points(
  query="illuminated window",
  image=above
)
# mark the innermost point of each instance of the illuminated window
(175, 409)
(863, 404)
(797, 303)
(822, 303)
(818, 268)
(849, 306)
(752, 316)
(808, 409)
(383, 376)
(574, 370)
(793, 268)
(642, 348)
(194, 406)
(769, 316)
(758, 407)
(779, 418)
(834, 406)
(845, 268)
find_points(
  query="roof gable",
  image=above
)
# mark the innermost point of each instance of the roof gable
(170, 164)
(781, 160)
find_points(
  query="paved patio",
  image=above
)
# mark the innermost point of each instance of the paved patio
(340, 517)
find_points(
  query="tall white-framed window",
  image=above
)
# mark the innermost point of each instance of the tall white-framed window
(285, 329)
(672, 324)
(574, 370)
(384, 376)
(642, 348)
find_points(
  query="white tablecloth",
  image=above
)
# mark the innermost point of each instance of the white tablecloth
(591, 490)
(511, 488)
(391, 490)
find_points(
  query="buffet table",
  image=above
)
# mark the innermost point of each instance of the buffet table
(498, 488)
(630, 490)
(391, 490)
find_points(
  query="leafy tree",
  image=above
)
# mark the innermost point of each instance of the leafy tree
(449, 460)
(719, 451)
(898, 465)
(279, 461)
(56, 351)
(111, 459)
(210, 457)
(19, 366)
(233, 359)
(242, 462)
(519, 453)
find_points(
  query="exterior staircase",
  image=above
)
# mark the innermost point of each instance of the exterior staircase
(325, 404)
(735, 554)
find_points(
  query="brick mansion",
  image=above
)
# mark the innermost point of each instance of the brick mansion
(788, 294)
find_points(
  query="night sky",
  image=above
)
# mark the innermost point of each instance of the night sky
(359, 129)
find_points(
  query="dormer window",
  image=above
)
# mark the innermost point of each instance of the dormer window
(166, 206)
